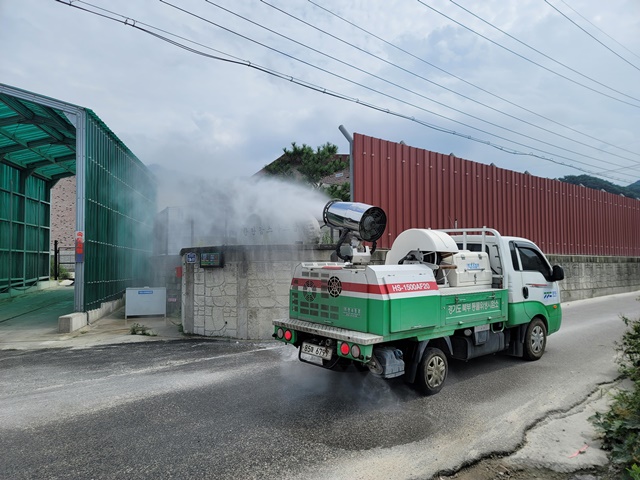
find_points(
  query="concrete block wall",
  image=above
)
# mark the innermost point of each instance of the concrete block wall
(241, 300)
(592, 276)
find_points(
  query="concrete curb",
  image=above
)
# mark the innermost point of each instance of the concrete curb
(75, 321)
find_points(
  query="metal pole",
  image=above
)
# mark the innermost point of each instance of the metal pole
(56, 259)
(10, 235)
(349, 138)
(81, 177)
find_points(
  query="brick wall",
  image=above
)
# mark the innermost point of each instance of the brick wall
(63, 212)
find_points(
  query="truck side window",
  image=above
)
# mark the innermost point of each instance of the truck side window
(495, 260)
(514, 256)
(532, 261)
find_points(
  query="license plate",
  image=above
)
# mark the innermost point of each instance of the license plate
(317, 351)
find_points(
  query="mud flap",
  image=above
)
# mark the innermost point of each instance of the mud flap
(516, 340)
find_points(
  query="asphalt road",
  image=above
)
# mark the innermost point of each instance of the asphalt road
(208, 409)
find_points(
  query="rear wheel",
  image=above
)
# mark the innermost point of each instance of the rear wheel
(432, 371)
(535, 340)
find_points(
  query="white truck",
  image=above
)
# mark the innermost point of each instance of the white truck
(441, 294)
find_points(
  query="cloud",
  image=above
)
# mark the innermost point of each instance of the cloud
(179, 109)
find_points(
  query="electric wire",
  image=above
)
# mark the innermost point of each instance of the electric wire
(529, 60)
(427, 80)
(127, 21)
(396, 98)
(133, 23)
(539, 52)
(605, 46)
(599, 29)
(604, 142)
(637, 164)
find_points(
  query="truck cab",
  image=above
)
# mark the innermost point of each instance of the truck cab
(519, 264)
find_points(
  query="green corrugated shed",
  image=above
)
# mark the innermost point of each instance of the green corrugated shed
(43, 140)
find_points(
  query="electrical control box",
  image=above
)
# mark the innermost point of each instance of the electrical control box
(145, 301)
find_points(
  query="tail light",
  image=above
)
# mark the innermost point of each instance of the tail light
(353, 350)
(282, 334)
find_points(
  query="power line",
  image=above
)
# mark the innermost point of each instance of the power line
(127, 21)
(529, 60)
(130, 22)
(472, 84)
(605, 46)
(599, 29)
(422, 78)
(386, 94)
(539, 52)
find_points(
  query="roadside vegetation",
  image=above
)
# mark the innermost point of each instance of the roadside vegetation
(137, 329)
(63, 273)
(620, 426)
(311, 166)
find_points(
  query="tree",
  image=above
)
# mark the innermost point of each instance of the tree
(599, 184)
(635, 188)
(311, 165)
(341, 191)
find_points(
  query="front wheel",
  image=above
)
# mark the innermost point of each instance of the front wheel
(432, 371)
(535, 340)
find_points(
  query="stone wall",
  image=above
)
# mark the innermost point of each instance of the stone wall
(588, 277)
(241, 299)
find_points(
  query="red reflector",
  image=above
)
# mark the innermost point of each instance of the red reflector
(288, 335)
(344, 349)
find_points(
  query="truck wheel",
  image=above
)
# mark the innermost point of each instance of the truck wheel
(535, 340)
(432, 371)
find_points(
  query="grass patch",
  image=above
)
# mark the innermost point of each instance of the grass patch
(620, 426)
(137, 329)
(63, 273)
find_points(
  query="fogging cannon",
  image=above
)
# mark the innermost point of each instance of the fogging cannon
(357, 222)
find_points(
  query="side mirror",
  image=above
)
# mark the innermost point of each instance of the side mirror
(557, 273)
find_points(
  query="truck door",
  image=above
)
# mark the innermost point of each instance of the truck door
(531, 283)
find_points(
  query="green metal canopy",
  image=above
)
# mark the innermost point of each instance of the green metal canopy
(36, 138)
(43, 139)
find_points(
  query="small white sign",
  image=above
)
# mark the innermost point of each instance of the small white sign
(191, 257)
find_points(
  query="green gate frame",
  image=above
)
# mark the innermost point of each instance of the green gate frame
(42, 140)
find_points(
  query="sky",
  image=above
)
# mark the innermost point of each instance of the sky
(548, 87)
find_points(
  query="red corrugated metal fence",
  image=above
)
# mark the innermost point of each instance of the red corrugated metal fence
(423, 189)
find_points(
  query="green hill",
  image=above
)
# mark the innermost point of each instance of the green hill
(632, 191)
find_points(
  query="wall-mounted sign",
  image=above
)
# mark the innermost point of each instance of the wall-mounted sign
(211, 260)
(79, 246)
(191, 257)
